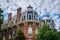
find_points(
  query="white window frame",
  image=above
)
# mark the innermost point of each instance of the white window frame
(29, 31)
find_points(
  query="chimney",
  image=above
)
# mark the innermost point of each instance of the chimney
(9, 19)
(18, 15)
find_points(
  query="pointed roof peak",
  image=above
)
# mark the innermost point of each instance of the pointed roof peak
(29, 6)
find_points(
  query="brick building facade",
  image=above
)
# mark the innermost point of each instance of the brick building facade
(28, 22)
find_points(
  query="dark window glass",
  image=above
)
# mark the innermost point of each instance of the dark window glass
(48, 20)
(24, 17)
(34, 17)
(29, 17)
(30, 12)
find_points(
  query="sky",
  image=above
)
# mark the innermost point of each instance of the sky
(52, 7)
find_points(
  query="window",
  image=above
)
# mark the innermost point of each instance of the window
(36, 32)
(24, 17)
(13, 34)
(48, 21)
(14, 21)
(11, 23)
(29, 32)
(29, 17)
(34, 17)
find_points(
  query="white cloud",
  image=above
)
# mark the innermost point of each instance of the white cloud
(57, 24)
(55, 17)
(52, 6)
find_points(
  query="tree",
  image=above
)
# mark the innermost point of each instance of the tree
(1, 20)
(50, 35)
(58, 35)
(46, 33)
(20, 36)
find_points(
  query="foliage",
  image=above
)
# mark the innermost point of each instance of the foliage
(58, 35)
(20, 36)
(1, 20)
(46, 33)
(50, 35)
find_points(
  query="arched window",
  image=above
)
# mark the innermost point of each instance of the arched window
(29, 32)
(29, 16)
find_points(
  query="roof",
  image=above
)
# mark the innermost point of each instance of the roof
(29, 6)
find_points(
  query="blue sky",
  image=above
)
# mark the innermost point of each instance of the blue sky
(51, 6)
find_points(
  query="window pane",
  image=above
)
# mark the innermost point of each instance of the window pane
(29, 32)
(24, 17)
(34, 17)
(29, 17)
